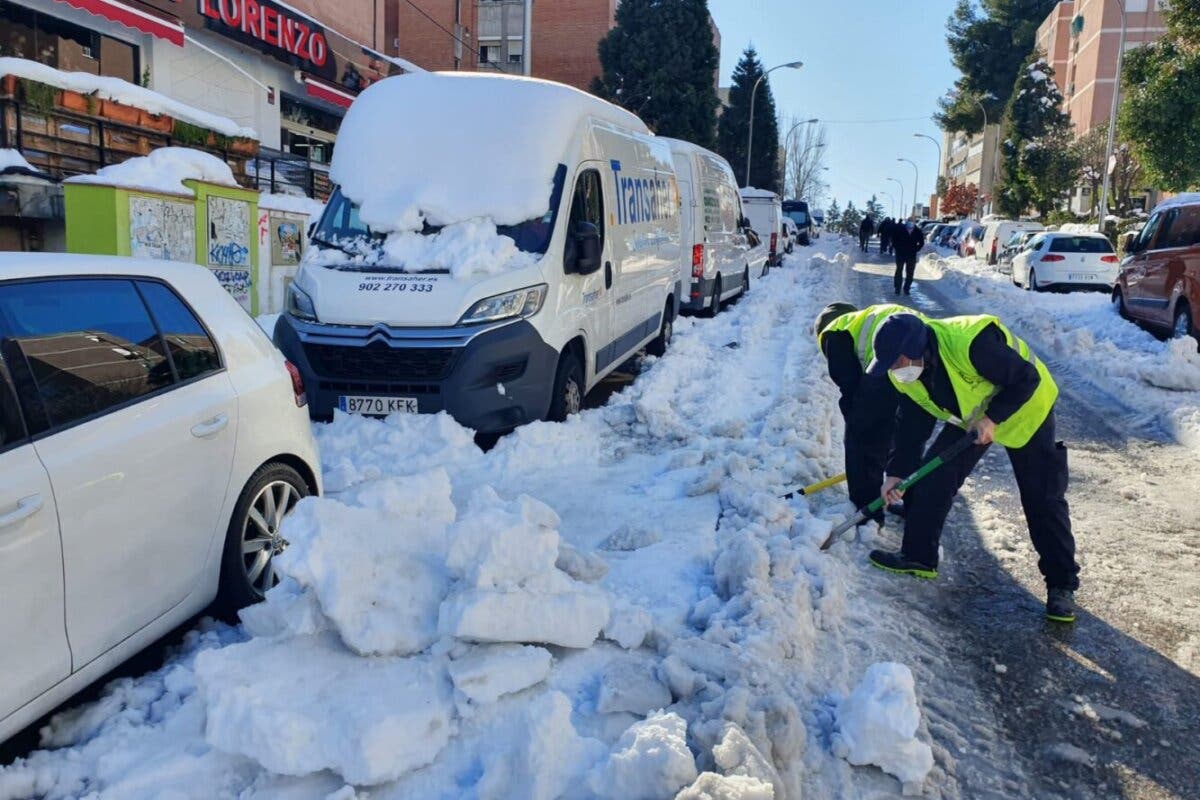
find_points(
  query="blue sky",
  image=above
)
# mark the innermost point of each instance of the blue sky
(863, 60)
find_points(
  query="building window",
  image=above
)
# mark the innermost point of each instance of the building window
(51, 41)
(489, 53)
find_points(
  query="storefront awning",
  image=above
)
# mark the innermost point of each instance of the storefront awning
(327, 92)
(132, 17)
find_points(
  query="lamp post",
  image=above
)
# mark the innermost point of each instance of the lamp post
(938, 145)
(901, 185)
(753, 93)
(1112, 119)
(916, 177)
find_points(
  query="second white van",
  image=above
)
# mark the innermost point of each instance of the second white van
(495, 272)
(765, 212)
(717, 258)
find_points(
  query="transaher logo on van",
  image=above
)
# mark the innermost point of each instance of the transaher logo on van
(642, 199)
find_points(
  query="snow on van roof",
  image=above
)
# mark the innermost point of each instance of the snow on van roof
(164, 170)
(444, 148)
(750, 193)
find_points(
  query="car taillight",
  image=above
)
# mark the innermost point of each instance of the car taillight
(774, 240)
(1109, 259)
(1052, 257)
(994, 243)
(698, 261)
(297, 384)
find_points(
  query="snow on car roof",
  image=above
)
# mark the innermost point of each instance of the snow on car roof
(412, 148)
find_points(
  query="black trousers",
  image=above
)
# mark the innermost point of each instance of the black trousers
(867, 444)
(1041, 471)
(906, 266)
(885, 244)
(863, 238)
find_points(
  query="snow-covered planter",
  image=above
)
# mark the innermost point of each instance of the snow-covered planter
(160, 123)
(119, 112)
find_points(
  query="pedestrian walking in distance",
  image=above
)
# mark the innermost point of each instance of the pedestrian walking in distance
(907, 239)
(885, 236)
(865, 229)
(868, 403)
(973, 374)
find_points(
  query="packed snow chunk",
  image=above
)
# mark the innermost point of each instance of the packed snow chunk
(376, 566)
(628, 625)
(405, 156)
(499, 544)
(164, 170)
(736, 755)
(304, 705)
(877, 724)
(651, 761)
(586, 567)
(630, 537)
(570, 615)
(631, 685)
(535, 753)
(491, 671)
(711, 786)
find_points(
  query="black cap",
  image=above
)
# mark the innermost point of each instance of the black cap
(899, 335)
(829, 314)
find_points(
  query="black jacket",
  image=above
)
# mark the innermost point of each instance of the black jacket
(867, 227)
(908, 243)
(1015, 378)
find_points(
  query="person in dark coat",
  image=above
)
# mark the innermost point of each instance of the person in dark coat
(885, 236)
(864, 232)
(907, 240)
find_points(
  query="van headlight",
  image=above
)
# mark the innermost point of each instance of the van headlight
(300, 305)
(523, 303)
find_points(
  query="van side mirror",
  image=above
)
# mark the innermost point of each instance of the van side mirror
(1129, 242)
(312, 226)
(587, 247)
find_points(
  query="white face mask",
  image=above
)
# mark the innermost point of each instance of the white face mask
(908, 374)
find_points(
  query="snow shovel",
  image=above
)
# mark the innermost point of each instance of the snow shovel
(813, 488)
(863, 514)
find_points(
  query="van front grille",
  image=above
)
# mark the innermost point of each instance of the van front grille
(378, 362)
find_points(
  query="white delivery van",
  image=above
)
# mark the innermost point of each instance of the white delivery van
(496, 272)
(997, 232)
(765, 212)
(717, 257)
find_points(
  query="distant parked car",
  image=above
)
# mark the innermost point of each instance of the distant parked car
(152, 440)
(1159, 284)
(797, 211)
(1066, 261)
(1017, 242)
(765, 213)
(969, 240)
(938, 233)
(818, 224)
(790, 233)
(997, 232)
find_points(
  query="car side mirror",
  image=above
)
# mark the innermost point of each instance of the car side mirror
(1129, 241)
(587, 247)
(312, 226)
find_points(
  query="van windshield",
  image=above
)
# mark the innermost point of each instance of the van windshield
(341, 228)
(798, 217)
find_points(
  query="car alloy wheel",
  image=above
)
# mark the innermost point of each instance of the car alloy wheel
(262, 539)
(572, 397)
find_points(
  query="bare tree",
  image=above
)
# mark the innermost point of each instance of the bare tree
(804, 153)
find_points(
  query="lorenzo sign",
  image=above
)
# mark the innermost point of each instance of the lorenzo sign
(273, 29)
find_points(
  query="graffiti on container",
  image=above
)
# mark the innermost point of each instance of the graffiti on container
(162, 229)
(228, 232)
(237, 282)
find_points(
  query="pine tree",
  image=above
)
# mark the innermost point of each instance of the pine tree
(732, 129)
(833, 216)
(851, 219)
(659, 62)
(875, 208)
(1041, 163)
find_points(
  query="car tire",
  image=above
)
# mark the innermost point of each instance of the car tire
(666, 330)
(568, 392)
(1031, 281)
(246, 574)
(714, 305)
(746, 280)
(1184, 323)
(1122, 309)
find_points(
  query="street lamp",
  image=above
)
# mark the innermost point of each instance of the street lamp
(901, 185)
(1112, 120)
(916, 178)
(753, 93)
(892, 198)
(938, 145)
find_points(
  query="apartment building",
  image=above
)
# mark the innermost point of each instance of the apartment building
(973, 159)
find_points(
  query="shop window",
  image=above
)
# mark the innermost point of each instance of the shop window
(63, 45)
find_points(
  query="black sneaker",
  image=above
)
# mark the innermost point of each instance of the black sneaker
(900, 563)
(1060, 605)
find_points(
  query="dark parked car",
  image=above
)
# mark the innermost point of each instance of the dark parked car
(1159, 284)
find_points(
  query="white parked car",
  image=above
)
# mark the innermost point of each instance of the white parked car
(588, 280)
(151, 442)
(717, 259)
(1066, 261)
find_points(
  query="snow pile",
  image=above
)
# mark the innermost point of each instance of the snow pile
(877, 724)
(12, 159)
(164, 170)
(651, 761)
(473, 247)
(436, 179)
(117, 90)
(751, 193)
(295, 204)
(1084, 339)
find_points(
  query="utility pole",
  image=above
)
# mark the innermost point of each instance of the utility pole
(1112, 120)
(527, 45)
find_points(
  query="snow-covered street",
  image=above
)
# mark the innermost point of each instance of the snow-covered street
(621, 606)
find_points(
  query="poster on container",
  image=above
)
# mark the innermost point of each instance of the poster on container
(162, 229)
(229, 246)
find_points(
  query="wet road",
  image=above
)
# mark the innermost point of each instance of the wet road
(1109, 707)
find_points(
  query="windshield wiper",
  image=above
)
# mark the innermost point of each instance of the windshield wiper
(323, 242)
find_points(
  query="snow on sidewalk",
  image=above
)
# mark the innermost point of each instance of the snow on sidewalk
(618, 606)
(1160, 380)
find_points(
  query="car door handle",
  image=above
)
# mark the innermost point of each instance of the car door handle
(26, 508)
(211, 427)
(607, 274)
